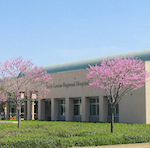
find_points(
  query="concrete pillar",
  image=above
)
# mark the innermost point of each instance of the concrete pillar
(28, 109)
(69, 109)
(85, 109)
(7, 110)
(41, 109)
(105, 109)
(32, 110)
(103, 104)
(101, 109)
(54, 109)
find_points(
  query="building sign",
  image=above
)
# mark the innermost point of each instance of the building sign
(67, 85)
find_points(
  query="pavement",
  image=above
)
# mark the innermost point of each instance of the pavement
(8, 121)
(137, 145)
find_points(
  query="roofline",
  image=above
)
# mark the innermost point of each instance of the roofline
(144, 55)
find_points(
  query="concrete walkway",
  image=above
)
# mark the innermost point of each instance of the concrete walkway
(137, 145)
(8, 121)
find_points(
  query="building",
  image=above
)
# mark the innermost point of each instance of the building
(72, 99)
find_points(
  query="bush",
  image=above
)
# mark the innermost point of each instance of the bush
(43, 134)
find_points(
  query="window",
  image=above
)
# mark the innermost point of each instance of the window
(94, 106)
(77, 106)
(12, 109)
(61, 107)
(22, 109)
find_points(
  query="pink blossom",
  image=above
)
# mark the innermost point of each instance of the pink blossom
(3, 99)
(112, 75)
(22, 76)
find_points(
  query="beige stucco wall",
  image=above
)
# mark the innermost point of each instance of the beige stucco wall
(147, 94)
(131, 108)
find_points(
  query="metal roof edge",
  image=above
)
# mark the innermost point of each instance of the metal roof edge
(144, 55)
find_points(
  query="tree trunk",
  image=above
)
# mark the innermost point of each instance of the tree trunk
(19, 115)
(112, 119)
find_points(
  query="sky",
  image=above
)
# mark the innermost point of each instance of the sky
(56, 31)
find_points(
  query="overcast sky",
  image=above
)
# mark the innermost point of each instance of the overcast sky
(56, 31)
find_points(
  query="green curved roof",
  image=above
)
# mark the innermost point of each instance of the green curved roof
(144, 55)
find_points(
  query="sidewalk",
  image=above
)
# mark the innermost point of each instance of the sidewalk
(137, 145)
(8, 121)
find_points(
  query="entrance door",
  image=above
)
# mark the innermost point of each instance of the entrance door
(94, 109)
(61, 109)
(77, 109)
(13, 109)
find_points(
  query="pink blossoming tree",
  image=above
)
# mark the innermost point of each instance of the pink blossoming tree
(22, 77)
(118, 77)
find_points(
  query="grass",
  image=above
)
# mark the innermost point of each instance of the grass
(45, 134)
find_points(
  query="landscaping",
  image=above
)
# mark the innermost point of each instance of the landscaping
(45, 134)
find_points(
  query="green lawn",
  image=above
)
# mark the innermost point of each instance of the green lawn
(42, 134)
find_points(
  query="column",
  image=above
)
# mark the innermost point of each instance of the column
(85, 109)
(54, 109)
(32, 110)
(69, 109)
(7, 111)
(28, 109)
(103, 109)
(41, 109)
